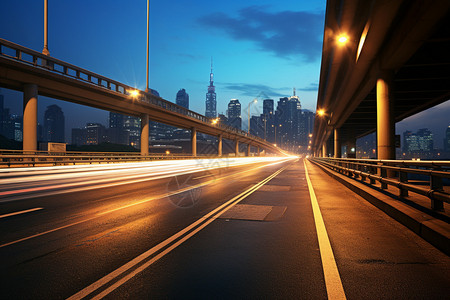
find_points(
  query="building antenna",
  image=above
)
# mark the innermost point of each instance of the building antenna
(294, 91)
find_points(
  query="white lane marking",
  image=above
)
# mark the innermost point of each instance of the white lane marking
(21, 212)
(133, 204)
(186, 233)
(97, 183)
(333, 282)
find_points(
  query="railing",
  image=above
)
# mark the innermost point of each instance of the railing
(16, 158)
(24, 55)
(396, 173)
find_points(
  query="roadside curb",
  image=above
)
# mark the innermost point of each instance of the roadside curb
(434, 231)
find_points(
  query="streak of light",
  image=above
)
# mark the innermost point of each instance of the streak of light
(138, 202)
(21, 212)
(114, 174)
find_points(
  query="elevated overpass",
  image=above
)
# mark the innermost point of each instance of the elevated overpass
(393, 62)
(34, 73)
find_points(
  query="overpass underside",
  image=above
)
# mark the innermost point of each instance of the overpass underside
(394, 65)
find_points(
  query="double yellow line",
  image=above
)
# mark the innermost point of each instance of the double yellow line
(164, 247)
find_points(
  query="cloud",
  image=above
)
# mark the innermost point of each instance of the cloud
(254, 90)
(286, 33)
(313, 87)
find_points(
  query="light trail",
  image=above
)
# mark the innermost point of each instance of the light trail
(99, 214)
(116, 174)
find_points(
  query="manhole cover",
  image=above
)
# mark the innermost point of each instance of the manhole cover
(254, 212)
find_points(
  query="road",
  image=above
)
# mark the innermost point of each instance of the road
(238, 228)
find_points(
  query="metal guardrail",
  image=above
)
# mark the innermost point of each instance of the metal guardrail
(25, 55)
(395, 173)
(16, 158)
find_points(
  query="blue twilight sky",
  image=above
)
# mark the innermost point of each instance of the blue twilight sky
(268, 46)
(257, 46)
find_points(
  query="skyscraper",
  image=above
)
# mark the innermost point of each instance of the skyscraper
(182, 98)
(234, 113)
(54, 123)
(422, 141)
(447, 140)
(211, 102)
(268, 107)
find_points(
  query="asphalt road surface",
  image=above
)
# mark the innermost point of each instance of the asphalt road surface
(218, 229)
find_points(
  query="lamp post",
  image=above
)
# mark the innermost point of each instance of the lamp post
(279, 125)
(253, 101)
(147, 89)
(45, 50)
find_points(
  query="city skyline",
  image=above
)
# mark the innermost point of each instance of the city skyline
(238, 35)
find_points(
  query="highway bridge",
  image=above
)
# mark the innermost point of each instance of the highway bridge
(34, 73)
(264, 227)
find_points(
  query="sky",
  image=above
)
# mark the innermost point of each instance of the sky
(259, 48)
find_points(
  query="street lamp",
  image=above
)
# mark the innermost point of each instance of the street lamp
(279, 125)
(147, 89)
(248, 109)
(45, 50)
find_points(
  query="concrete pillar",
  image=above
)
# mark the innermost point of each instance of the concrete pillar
(144, 134)
(258, 151)
(236, 148)
(30, 95)
(324, 149)
(385, 116)
(194, 141)
(337, 143)
(249, 148)
(219, 146)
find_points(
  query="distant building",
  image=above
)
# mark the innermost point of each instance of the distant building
(183, 98)
(447, 140)
(223, 119)
(419, 142)
(268, 107)
(211, 102)
(79, 136)
(95, 134)
(54, 124)
(234, 114)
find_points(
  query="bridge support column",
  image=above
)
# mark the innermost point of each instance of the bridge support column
(385, 121)
(194, 141)
(30, 95)
(144, 134)
(324, 149)
(236, 148)
(249, 148)
(258, 151)
(385, 117)
(219, 146)
(337, 143)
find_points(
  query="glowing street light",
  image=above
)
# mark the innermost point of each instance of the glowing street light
(321, 112)
(134, 93)
(342, 39)
(214, 121)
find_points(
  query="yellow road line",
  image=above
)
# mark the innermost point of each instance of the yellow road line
(333, 282)
(184, 234)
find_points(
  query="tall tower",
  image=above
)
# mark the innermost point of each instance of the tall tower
(54, 122)
(182, 98)
(211, 102)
